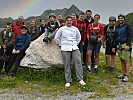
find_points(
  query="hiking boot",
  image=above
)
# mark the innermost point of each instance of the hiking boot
(84, 65)
(120, 77)
(67, 85)
(125, 79)
(82, 82)
(112, 71)
(3, 76)
(108, 70)
(96, 71)
(88, 70)
(13, 75)
(45, 39)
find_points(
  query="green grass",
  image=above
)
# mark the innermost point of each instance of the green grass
(51, 82)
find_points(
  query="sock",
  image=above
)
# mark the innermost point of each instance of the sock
(95, 66)
(89, 67)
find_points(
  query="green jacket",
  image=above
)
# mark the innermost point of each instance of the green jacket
(6, 38)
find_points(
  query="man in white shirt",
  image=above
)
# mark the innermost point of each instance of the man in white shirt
(68, 37)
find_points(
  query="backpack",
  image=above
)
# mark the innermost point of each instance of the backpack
(110, 35)
(6, 38)
(94, 37)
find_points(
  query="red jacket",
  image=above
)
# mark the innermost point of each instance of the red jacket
(16, 30)
(95, 27)
(83, 30)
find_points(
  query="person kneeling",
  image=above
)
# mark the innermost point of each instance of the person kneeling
(21, 44)
(68, 37)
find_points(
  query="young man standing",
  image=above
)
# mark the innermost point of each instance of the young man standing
(68, 37)
(110, 38)
(124, 38)
(59, 16)
(80, 24)
(88, 20)
(6, 43)
(21, 44)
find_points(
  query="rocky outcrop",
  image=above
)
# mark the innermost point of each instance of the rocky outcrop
(42, 55)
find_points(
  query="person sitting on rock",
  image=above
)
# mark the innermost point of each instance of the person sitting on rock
(52, 28)
(6, 42)
(33, 31)
(21, 44)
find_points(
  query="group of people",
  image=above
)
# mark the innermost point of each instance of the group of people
(74, 34)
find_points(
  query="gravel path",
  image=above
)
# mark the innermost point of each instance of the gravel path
(15, 94)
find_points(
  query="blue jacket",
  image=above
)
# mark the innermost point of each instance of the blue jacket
(22, 42)
(124, 34)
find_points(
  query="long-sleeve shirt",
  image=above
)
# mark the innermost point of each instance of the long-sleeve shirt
(82, 28)
(34, 33)
(22, 42)
(6, 38)
(68, 38)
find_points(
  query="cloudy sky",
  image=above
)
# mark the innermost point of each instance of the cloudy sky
(105, 8)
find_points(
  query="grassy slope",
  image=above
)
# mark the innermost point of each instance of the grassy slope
(51, 82)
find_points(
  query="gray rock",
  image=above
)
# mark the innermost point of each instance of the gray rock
(42, 55)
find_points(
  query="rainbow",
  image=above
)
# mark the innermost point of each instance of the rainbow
(25, 8)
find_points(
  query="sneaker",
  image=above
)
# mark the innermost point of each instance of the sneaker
(84, 65)
(112, 70)
(13, 75)
(67, 85)
(88, 70)
(120, 77)
(96, 71)
(45, 39)
(125, 79)
(108, 70)
(3, 76)
(82, 82)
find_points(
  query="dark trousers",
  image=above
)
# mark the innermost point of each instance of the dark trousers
(85, 54)
(8, 53)
(16, 58)
(80, 46)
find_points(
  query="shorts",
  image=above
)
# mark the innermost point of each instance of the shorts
(94, 46)
(108, 50)
(123, 54)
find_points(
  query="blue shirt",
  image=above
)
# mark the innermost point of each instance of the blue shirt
(22, 42)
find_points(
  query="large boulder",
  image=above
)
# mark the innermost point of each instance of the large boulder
(42, 55)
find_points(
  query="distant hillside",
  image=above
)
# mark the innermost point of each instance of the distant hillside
(65, 12)
(129, 18)
(6, 19)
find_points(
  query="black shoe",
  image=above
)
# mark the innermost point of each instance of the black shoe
(108, 70)
(45, 39)
(96, 71)
(84, 65)
(13, 75)
(88, 71)
(3, 76)
(112, 71)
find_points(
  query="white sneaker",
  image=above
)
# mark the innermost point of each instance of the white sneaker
(82, 82)
(67, 85)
